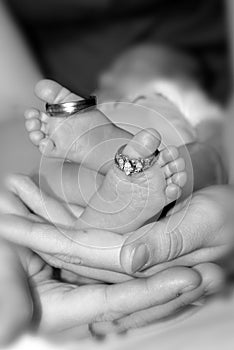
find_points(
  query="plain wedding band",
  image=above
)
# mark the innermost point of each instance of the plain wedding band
(69, 108)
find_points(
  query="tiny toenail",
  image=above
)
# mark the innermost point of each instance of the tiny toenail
(140, 257)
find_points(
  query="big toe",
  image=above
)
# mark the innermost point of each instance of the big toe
(52, 92)
(143, 144)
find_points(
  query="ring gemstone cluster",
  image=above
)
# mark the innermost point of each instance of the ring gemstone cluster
(135, 165)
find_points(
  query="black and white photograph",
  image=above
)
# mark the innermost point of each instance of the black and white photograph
(117, 174)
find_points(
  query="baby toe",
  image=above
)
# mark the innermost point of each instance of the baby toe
(168, 155)
(31, 113)
(32, 124)
(172, 192)
(52, 92)
(178, 179)
(36, 137)
(143, 144)
(174, 167)
(44, 117)
(177, 166)
(46, 146)
(174, 184)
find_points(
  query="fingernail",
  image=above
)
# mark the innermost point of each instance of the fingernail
(140, 257)
(188, 288)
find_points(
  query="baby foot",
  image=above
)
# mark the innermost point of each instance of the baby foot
(124, 203)
(88, 137)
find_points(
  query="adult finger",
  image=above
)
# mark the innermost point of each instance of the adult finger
(71, 277)
(38, 201)
(16, 305)
(85, 272)
(70, 335)
(65, 306)
(212, 281)
(205, 223)
(94, 248)
(12, 204)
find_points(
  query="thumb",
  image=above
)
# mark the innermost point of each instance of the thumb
(187, 230)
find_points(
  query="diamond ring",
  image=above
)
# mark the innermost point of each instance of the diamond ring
(66, 109)
(134, 165)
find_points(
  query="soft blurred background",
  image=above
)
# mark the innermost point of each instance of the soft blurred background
(81, 44)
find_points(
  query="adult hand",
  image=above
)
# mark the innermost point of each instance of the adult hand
(65, 311)
(199, 232)
(16, 308)
(133, 303)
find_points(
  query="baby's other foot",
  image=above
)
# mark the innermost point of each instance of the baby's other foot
(88, 137)
(124, 203)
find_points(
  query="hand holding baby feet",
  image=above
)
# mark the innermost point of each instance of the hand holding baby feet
(132, 195)
(79, 137)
